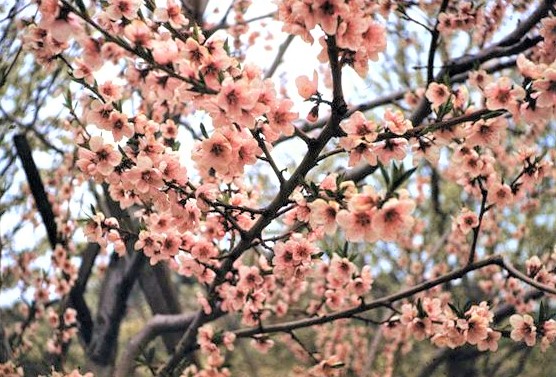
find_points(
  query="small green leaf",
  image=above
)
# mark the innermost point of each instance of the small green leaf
(455, 310)
(227, 46)
(204, 131)
(542, 313)
(384, 174)
(402, 178)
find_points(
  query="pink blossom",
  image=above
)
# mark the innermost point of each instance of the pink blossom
(172, 13)
(323, 214)
(101, 158)
(144, 176)
(500, 194)
(123, 8)
(396, 122)
(357, 225)
(523, 328)
(437, 94)
(503, 94)
(394, 218)
(467, 220)
(165, 51)
(546, 88)
(306, 87)
(490, 342)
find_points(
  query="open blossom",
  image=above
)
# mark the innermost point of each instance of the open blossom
(437, 94)
(500, 194)
(144, 176)
(487, 132)
(546, 88)
(172, 13)
(306, 87)
(357, 126)
(490, 342)
(477, 328)
(340, 270)
(123, 8)
(503, 94)
(101, 158)
(396, 122)
(293, 258)
(480, 78)
(215, 152)
(120, 126)
(467, 220)
(361, 285)
(139, 33)
(391, 149)
(165, 51)
(549, 334)
(323, 214)
(281, 117)
(357, 225)
(110, 91)
(523, 328)
(237, 97)
(327, 13)
(394, 218)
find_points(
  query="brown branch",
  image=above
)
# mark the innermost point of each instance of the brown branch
(434, 44)
(76, 299)
(514, 43)
(37, 188)
(157, 325)
(116, 289)
(279, 56)
(499, 315)
(390, 99)
(387, 301)
(477, 229)
(308, 162)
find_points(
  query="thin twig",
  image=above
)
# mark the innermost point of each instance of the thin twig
(477, 229)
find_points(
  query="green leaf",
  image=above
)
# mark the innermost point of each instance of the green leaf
(227, 47)
(345, 249)
(402, 178)
(384, 174)
(542, 312)
(204, 131)
(455, 310)
(149, 355)
(493, 114)
(467, 306)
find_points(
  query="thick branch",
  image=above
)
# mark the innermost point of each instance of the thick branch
(76, 299)
(116, 288)
(37, 188)
(159, 324)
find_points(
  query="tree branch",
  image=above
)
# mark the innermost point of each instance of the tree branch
(157, 325)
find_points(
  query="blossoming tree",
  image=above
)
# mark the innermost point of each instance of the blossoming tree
(402, 213)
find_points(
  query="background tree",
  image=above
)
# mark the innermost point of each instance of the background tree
(347, 220)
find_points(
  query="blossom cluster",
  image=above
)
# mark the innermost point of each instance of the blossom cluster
(193, 219)
(360, 37)
(446, 326)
